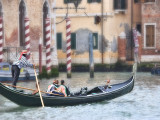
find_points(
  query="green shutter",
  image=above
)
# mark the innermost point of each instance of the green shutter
(65, 1)
(89, 1)
(95, 40)
(73, 40)
(123, 4)
(98, 1)
(59, 40)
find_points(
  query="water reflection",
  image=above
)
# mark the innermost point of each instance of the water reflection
(141, 104)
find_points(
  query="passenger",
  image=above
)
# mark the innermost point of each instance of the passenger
(67, 90)
(53, 87)
(107, 84)
(63, 89)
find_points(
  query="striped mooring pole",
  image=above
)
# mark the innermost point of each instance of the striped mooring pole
(1, 39)
(27, 36)
(48, 44)
(68, 46)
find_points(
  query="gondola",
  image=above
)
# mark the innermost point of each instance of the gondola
(95, 95)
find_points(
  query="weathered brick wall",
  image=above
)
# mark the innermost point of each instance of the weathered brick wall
(34, 9)
(122, 48)
(11, 21)
(151, 14)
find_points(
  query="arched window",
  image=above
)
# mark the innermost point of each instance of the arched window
(22, 13)
(45, 15)
(1, 14)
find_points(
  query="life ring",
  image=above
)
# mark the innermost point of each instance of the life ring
(27, 76)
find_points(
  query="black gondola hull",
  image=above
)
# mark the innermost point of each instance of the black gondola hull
(34, 100)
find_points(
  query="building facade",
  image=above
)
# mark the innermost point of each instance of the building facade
(106, 20)
(150, 31)
(15, 29)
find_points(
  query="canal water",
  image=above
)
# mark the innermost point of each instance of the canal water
(143, 103)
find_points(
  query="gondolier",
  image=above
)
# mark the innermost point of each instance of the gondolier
(21, 62)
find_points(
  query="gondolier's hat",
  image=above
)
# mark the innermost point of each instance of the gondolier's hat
(24, 52)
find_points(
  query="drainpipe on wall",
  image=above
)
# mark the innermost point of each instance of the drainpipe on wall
(102, 29)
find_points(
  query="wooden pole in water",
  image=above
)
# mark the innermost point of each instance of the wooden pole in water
(91, 56)
(68, 46)
(27, 37)
(1, 39)
(48, 44)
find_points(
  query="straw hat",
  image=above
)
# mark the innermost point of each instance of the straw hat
(24, 52)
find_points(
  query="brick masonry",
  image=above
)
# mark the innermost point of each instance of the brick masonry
(122, 49)
(34, 10)
(151, 14)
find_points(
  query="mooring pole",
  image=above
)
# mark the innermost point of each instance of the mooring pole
(91, 61)
(1, 39)
(68, 46)
(48, 44)
(27, 37)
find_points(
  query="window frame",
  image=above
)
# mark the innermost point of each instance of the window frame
(121, 9)
(145, 46)
(70, 1)
(94, 1)
(150, 1)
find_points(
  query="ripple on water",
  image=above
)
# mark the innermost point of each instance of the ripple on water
(141, 104)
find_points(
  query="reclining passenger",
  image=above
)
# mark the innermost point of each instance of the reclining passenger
(63, 89)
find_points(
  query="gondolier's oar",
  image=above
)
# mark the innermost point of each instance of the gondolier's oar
(38, 84)
(31, 89)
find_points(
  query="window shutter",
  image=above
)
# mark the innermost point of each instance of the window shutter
(95, 40)
(98, 1)
(65, 1)
(89, 1)
(73, 40)
(59, 40)
(115, 4)
(123, 4)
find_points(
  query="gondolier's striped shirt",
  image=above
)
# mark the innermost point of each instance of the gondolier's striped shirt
(22, 62)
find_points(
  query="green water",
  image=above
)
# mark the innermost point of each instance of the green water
(143, 103)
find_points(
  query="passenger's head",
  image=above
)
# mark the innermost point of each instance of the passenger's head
(62, 82)
(56, 82)
(108, 81)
